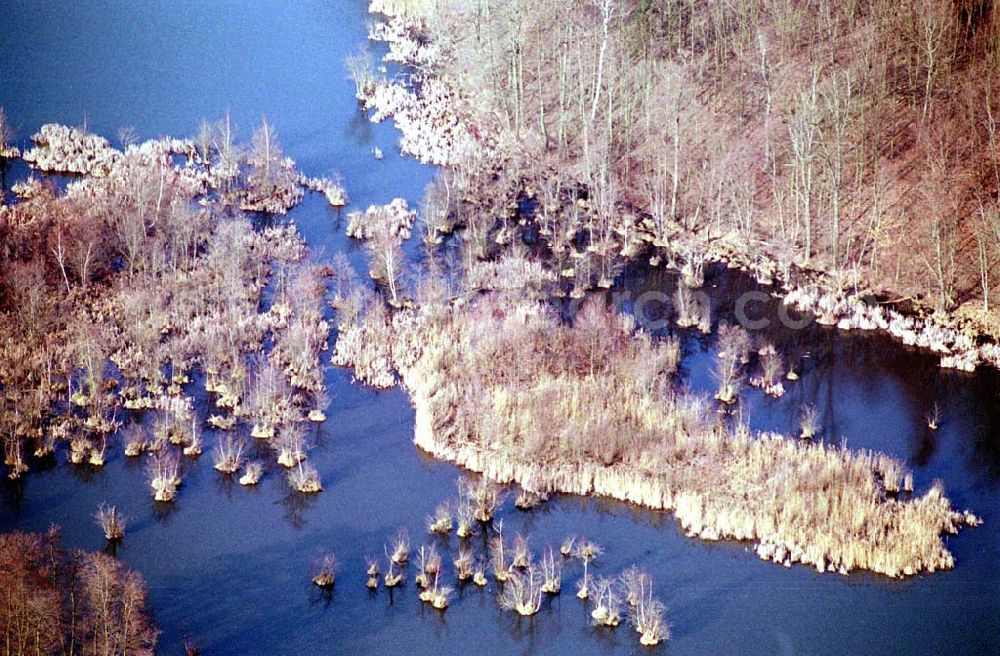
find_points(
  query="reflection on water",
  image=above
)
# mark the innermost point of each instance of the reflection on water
(228, 566)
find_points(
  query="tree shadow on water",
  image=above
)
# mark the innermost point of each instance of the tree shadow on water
(296, 504)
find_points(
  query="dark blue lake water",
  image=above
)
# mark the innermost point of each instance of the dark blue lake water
(228, 566)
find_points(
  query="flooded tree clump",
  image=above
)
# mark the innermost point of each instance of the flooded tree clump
(143, 279)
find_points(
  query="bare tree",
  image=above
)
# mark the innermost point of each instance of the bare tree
(838, 103)
(387, 262)
(932, 33)
(359, 70)
(803, 127)
(607, 10)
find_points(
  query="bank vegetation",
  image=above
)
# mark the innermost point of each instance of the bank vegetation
(843, 151)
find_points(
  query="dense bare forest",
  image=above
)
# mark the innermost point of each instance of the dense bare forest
(59, 601)
(857, 138)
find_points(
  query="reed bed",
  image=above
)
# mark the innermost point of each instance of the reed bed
(510, 391)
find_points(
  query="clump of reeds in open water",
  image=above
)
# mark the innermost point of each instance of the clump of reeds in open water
(325, 570)
(229, 454)
(13, 458)
(484, 497)
(607, 603)
(809, 421)
(429, 578)
(252, 473)
(933, 417)
(498, 555)
(393, 576)
(440, 594)
(634, 583)
(650, 621)
(585, 551)
(135, 439)
(291, 446)
(440, 521)
(522, 592)
(164, 475)
(463, 564)
(194, 446)
(400, 550)
(732, 352)
(479, 573)
(372, 572)
(770, 371)
(646, 614)
(551, 567)
(111, 522)
(321, 402)
(692, 310)
(428, 565)
(465, 518)
(521, 556)
(304, 478)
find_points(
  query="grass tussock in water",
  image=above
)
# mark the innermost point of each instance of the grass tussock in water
(504, 387)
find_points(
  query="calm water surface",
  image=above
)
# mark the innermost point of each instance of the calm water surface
(228, 566)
